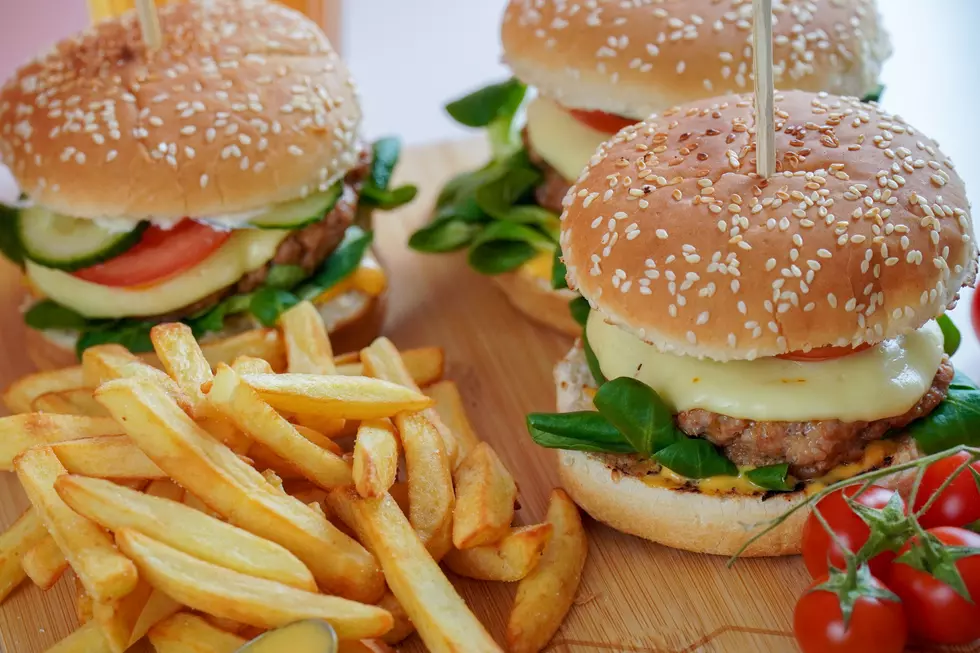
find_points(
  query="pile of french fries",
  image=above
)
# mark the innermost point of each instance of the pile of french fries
(211, 492)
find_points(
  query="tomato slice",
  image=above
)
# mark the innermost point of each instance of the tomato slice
(159, 255)
(822, 353)
(609, 123)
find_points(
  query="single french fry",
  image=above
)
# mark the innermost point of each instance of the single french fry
(266, 344)
(212, 472)
(328, 427)
(449, 406)
(115, 457)
(20, 395)
(319, 439)
(308, 349)
(347, 397)
(165, 489)
(425, 364)
(263, 458)
(227, 625)
(44, 563)
(18, 433)
(200, 535)
(485, 495)
(383, 361)
(184, 361)
(546, 594)
(188, 633)
(75, 401)
(251, 365)
(257, 419)
(403, 627)
(254, 601)
(158, 607)
(117, 619)
(192, 501)
(103, 363)
(22, 536)
(107, 574)
(506, 560)
(375, 458)
(87, 639)
(441, 617)
(430, 483)
(84, 605)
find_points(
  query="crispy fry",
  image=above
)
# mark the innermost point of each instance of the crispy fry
(308, 349)
(273, 479)
(403, 624)
(375, 458)
(449, 406)
(111, 456)
(328, 427)
(158, 607)
(117, 619)
(319, 439)
(84, 605)
(382, 361)
(425, 364)
(87, 639)
(44, 563)
(188, 633)
(266, 344)
(443, 621)
(103, 363)
(76, 401)
(106, 573)
(251, 365)
(204, 537)
(184, 361)
(485, 495)
(347, 397)
(430, 482)
(509, 559)
(546, 594)
(216, 475)
(22, 536)
(19, 396)
(165, 489)
(257, 419)
(255, 601)
(18, 433)
(227, 625)
(192, 501)
(264, 458)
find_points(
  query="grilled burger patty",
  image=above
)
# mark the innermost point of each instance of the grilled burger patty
(551, 191)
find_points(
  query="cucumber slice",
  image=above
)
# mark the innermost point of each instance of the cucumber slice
(302, 212)
(65, 243)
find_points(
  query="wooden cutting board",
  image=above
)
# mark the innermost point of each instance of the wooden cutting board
(635, 596)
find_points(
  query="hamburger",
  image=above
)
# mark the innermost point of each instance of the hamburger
(748, 341)
(594, 68)
(216, 180)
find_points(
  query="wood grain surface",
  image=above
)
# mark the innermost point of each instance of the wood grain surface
(635, 596)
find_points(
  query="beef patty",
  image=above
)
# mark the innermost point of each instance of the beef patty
(811, 448)
(551, 191)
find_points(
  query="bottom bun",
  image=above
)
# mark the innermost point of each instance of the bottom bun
(353, 319)
(535, 297)
(680, 517)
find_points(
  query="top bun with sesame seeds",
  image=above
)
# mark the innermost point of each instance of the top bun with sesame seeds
(245, 104)
(636, 58)
(864, 233)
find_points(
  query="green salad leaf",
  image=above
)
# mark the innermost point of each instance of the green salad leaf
(875, 95)
(376, 191)
(505, 246)
(954, 422)
(951, 335)
(285, 276)
(10, 245)
(579, 308)
(582, 431)
(268, 303)
(558, 271)
(481, 107)
(638, 413)
(134, 335)
(592, 361)
(444, 236)
(772, 477)
(47, 314)
(340, 265)
(696, 458)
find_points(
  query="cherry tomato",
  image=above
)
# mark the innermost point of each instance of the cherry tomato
(822, 353)
(159, 255)
(609, 123)
(959, 504)
(818, 547)
(935, 611)
(876, 624)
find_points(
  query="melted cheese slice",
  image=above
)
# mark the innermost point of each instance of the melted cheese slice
(883, 381)
(246, 250)
(561, 140)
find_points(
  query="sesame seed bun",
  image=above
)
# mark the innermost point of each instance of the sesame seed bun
(682, 518)
(864, 233)
(636, 58)
(535, 297)
(246, 104)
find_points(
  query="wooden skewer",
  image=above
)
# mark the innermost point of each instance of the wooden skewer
(149, 23)
(765, 134)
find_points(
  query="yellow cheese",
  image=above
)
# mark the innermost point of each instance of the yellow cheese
(874, 456)
(368, 278)
(540, 266)
(883, 381)
(246, 250)
(561, 140)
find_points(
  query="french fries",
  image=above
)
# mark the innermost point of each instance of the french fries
(75, 401)
(157, 608)
(364, 646)
(347, 397)
(250, 365)
(257, 419)
(229, 486)
(509, 559)
(21, 537)
(117, 619)
(106, 574)
(308, 349)
(106, 362)
(425, 364)
(546, 594)
(375, 458)
(439, 614)
(254, 601)
(403, 624)
(114, 457)
(265, 344)
(18, 433)
(449, 406)
(44, 563)
(485, 495)
(430, 483)
(87, 639)
(84, 605)
(184, 361)
(188, 633)
(20, 395)
(115, 508)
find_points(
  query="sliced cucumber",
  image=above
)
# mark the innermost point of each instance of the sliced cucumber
(65, 243)
(299, 213)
